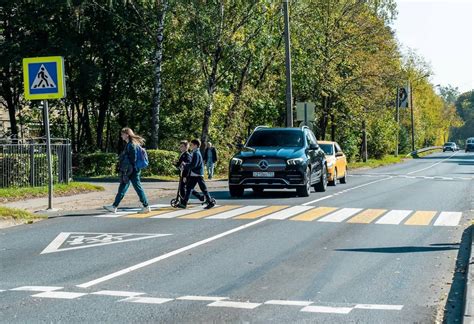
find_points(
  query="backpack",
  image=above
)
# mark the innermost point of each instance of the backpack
(142, 158)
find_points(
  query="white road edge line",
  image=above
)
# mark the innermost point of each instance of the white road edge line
(146, 300)
(59, 295)
(327, 309)
(378, 307)
(201, 298)
(167, 255)
(116, 293)
(36, 288)
(433, 165)
(289, 302)
(233, 304)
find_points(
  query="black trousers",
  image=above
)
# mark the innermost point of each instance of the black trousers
(191, 183)
(182, 191)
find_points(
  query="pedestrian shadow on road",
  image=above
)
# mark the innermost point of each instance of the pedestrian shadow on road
(248, 194)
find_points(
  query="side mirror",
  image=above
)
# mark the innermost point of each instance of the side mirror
(339, 154)
(313, 146)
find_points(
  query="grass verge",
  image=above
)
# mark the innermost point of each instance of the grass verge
(73, 188)
(374, 163)
(19, 215)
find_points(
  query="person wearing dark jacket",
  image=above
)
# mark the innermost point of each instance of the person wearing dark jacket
(185, 158)
(129, 171)
(194, 172)
(210, 158)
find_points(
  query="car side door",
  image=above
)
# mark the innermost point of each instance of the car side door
(312, 155)
(341, 161)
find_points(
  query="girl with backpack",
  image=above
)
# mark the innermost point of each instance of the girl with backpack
(132, 159)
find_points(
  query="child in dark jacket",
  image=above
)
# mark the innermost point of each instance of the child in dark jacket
(185, 158)
(194, 172)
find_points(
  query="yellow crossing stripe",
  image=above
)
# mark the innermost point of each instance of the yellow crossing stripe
(152, 213)
(421, 218)
(261, 212)
(210, 212)
(367, 216)
(313, 214)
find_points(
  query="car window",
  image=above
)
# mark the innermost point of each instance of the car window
(327, 148)
(338, 148)
(276, 138)
(310, 139)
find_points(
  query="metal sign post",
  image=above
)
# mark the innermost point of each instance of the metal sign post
(43, 79)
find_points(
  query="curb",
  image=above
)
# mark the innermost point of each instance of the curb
(468, 317)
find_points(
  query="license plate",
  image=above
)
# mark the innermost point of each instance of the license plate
(264, 174)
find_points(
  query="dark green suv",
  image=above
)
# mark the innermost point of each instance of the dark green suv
(277, 158)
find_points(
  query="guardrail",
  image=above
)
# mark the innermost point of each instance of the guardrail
(425, 149)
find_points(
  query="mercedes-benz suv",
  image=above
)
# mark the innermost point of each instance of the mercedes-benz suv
(278, 158)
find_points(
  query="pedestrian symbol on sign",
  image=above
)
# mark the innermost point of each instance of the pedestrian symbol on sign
(43, 79)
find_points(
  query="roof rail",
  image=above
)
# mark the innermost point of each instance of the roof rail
(261, 126)
(304, 126)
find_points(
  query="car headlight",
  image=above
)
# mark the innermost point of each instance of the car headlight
(294, 161)
(236, 161)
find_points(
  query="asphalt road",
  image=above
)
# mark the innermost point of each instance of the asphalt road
(380, 249)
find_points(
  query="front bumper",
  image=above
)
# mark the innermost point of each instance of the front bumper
(285, 177)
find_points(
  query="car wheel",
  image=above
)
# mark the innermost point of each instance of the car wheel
(236, 191)
(257, 191)
(305, 190)
(343, 179)
(334, 181)
(323, 181)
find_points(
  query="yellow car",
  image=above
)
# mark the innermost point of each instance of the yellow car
(336, 162)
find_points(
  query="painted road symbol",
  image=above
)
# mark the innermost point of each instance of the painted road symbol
(72, 241)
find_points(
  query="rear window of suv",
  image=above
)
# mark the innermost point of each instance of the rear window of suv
(276, 138)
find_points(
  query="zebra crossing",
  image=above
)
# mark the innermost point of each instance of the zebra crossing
(299, 213)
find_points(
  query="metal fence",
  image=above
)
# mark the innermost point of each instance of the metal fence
(24, 163)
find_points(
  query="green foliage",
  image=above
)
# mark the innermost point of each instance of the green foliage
(161, 163)
(20, 173)
(96, 164)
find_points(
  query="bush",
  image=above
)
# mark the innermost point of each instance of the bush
(16, 170)
(161, 163)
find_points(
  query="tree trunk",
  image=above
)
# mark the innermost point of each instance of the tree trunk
(103, 106)
(333, 128)
(156, 102)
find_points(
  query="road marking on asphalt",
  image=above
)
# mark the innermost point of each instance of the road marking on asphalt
(394, 217)
(233, 304)
(378, 307)
(236, 212)
(340, 215)
(367, 216)
(433, 165)
(288, 212)
(201, 298)
(37, 288)
(180, 212)
(210, 212)
(67, 241)
(59, 295)
(167, 255)
(288, 302)
(146, 300)
(347, 190)
(127, 211)
(448, 219)
(421, 218)
(261, 212)
(327, 309)
(152, 213)
(116, 293)
(313, 214)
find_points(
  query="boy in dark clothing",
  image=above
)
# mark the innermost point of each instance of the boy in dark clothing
(185, 158)
(195, 175)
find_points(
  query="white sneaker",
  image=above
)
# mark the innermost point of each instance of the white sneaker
(145, 210)
(111, 209)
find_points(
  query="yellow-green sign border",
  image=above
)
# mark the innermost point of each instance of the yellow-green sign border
(59, 60)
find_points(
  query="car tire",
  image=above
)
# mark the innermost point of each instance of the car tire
(323, 181)
(305, 190)
(258, 191)
(334, 181)
(236, 191)
(344, 178)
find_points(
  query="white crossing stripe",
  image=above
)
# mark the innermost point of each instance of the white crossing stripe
(117, 214)
(289, 302)
(201, 298)
(36, 288)
(59, 295)
(448, 219)
(117, 293)
(378, 306)
(235, 212)
(147, 300)
(288, 212)
(340, 215)
(180, 212)
(233, 304)
(327, 309)
(394, 217)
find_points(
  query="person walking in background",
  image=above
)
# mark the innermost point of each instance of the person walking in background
(210, 158)
(194, 172)
(185, 158)
(129, 171)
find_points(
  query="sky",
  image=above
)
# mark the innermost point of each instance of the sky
(442, 32)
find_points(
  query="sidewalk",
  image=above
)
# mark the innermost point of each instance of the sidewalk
(94, 200)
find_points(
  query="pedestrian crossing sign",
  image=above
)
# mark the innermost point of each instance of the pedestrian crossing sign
(43, 78)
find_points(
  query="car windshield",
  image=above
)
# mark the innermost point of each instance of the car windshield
(449, 144)
(327, 148)
(276, 138)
